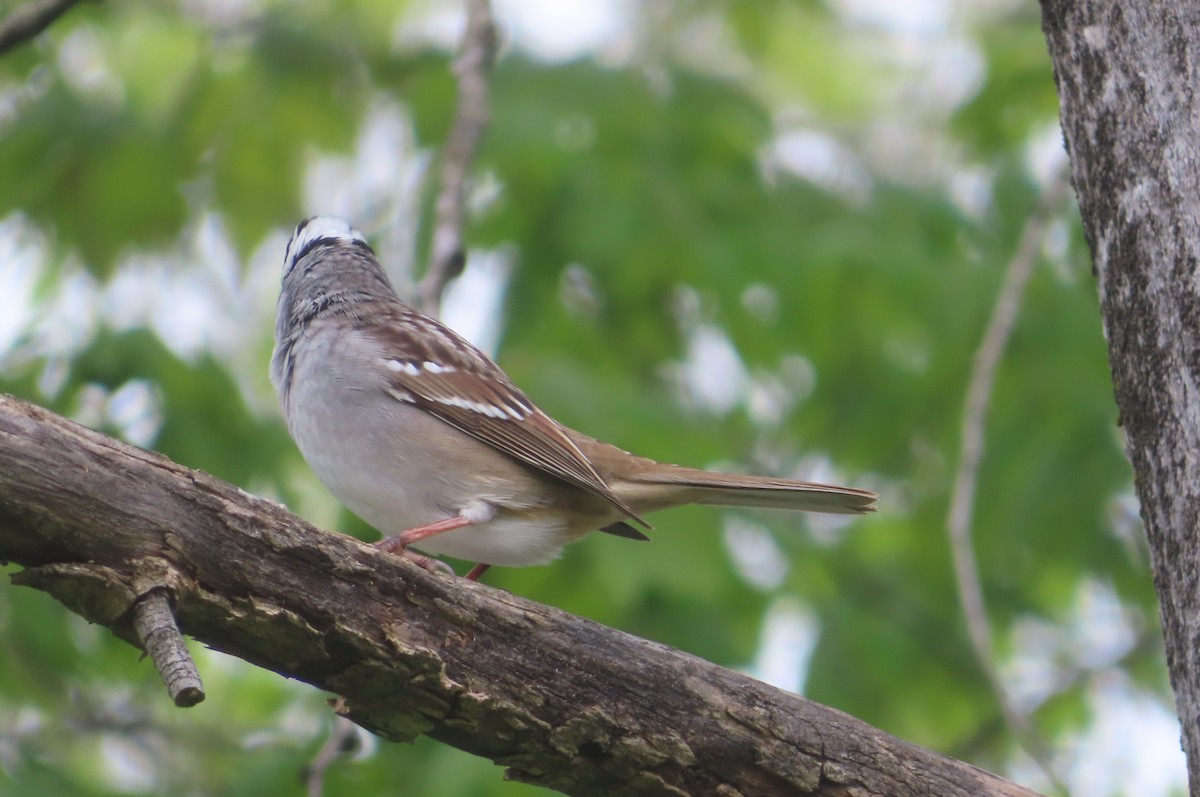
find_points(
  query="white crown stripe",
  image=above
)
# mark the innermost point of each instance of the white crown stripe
(319, 228)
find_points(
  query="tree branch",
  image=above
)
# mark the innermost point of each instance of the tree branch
(1126, 74)
(30, 19)
(447, 252)
(560, 701)
(962, 499)
(160, 637)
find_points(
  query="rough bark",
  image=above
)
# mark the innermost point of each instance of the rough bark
(1127, 78)
(560, 701)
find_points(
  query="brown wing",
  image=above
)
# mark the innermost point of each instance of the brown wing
(443, 374)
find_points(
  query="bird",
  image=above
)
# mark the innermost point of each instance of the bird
(424, 437)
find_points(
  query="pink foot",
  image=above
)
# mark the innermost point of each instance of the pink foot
(391, 545)
(398, 543)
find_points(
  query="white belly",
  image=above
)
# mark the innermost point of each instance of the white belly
(392, 465)
(507, 541)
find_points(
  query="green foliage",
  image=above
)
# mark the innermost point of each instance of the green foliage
(641, 202)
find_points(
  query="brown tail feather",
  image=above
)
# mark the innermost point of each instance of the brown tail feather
(729, 489)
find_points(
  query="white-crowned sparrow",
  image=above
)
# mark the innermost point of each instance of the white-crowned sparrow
(426, 439)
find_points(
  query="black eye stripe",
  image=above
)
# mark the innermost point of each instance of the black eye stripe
(311, 245)
(331, 241)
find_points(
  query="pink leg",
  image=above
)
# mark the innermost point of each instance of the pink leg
(398, 543)
(477, 571)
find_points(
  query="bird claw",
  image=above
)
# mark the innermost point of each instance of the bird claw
(394, 546)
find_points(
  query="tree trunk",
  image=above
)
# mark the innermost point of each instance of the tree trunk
(560, 701)
(1127, 80)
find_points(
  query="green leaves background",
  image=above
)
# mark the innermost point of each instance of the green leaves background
(830, 195)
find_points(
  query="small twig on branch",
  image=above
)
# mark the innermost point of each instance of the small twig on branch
(340, 742)
(962, 502)
(30, 19)
(156, 628)
(471, 68)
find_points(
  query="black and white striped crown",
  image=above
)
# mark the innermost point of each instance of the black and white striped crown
(319, 231)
